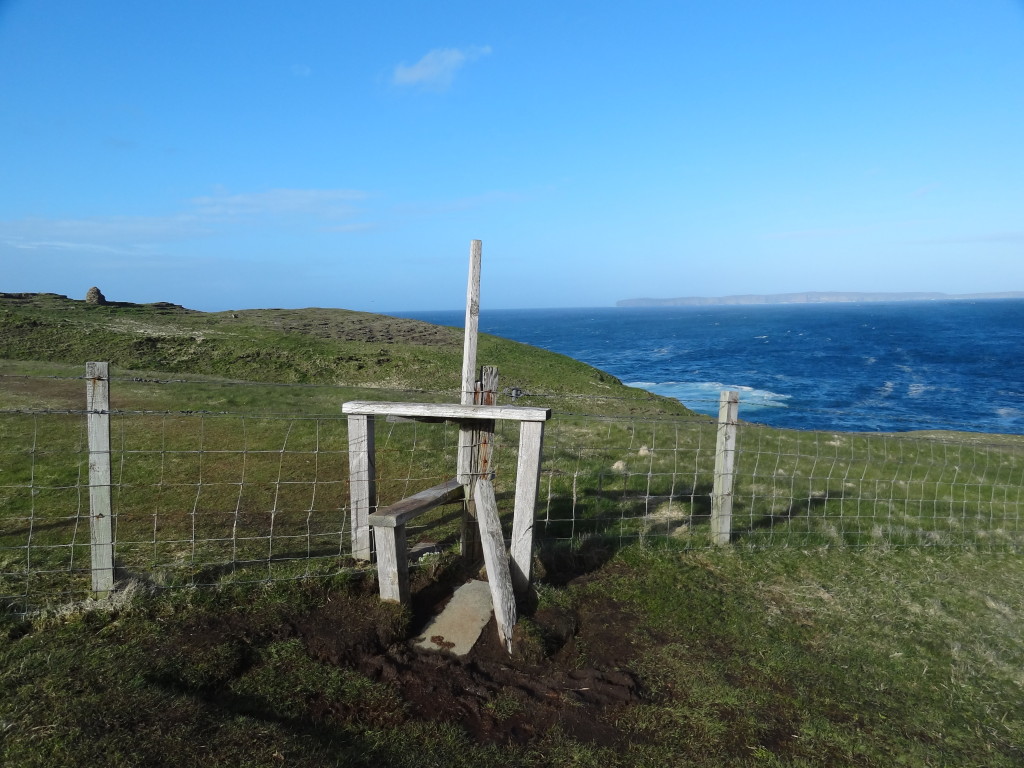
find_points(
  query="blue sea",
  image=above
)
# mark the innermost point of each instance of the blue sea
(863, 367)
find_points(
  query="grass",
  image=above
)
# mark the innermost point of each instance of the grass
(326, 347)
(868, 613)
(204, 496)
(820, 658)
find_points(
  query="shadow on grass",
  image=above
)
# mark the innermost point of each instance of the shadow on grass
(583, 533)
(346, 745)
(797, 508)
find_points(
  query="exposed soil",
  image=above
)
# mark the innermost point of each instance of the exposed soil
(570, 666)
(548, 681)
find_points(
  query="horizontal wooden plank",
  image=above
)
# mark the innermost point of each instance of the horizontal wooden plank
(446, 411)
(392, 419)
(402, 511)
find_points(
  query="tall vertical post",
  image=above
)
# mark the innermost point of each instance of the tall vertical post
(467, 434)
(362, 477)
(472, 322)
(531, 440)
(97, 398)
(725, 460)
(465, 470)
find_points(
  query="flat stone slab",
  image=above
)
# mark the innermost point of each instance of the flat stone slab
(457, 628)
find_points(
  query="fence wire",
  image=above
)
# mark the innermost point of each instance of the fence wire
(201, 498)
(791, 488)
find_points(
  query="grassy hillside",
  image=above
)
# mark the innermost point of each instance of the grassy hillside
(304, 346)
(827, 636)
(660, 657)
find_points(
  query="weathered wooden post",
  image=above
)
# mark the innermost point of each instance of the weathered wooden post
(496, 560)
(362, 473)
(531, 440)
(468, 432)
(465, 458)
(481, 447)
(725, 459)
(97, 398)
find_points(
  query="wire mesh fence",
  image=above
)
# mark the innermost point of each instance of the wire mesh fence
(201, 498)
(791, 488)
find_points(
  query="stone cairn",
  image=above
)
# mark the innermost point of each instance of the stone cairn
(95, 296)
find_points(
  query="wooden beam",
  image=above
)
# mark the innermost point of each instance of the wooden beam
(409, 508)
(496, 560)
(414, 420)
(446, 411)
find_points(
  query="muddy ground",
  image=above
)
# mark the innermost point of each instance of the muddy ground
(571, 666)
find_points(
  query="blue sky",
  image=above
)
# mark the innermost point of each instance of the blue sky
(238, 154)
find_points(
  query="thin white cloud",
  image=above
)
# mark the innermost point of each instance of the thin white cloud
(1009, 237)
(201, 217)
(330, 203)
(436, 70)
(58, 245)
(98, 232)
(460, 204)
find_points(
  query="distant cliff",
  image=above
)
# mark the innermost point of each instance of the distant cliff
(811, 297)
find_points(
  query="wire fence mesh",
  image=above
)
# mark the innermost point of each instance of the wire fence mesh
(791, 488)
(200, 498)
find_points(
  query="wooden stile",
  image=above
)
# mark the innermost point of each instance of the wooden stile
(97, 381)
(476, 413)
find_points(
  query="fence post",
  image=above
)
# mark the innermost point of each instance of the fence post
(362, 478)
(531, 440)
(725, 458)
(480, 450)
(97, 399)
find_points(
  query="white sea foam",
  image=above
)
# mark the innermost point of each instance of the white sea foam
(702, 396)
(916, 390)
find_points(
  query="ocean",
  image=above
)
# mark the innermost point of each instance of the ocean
(858, 367)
